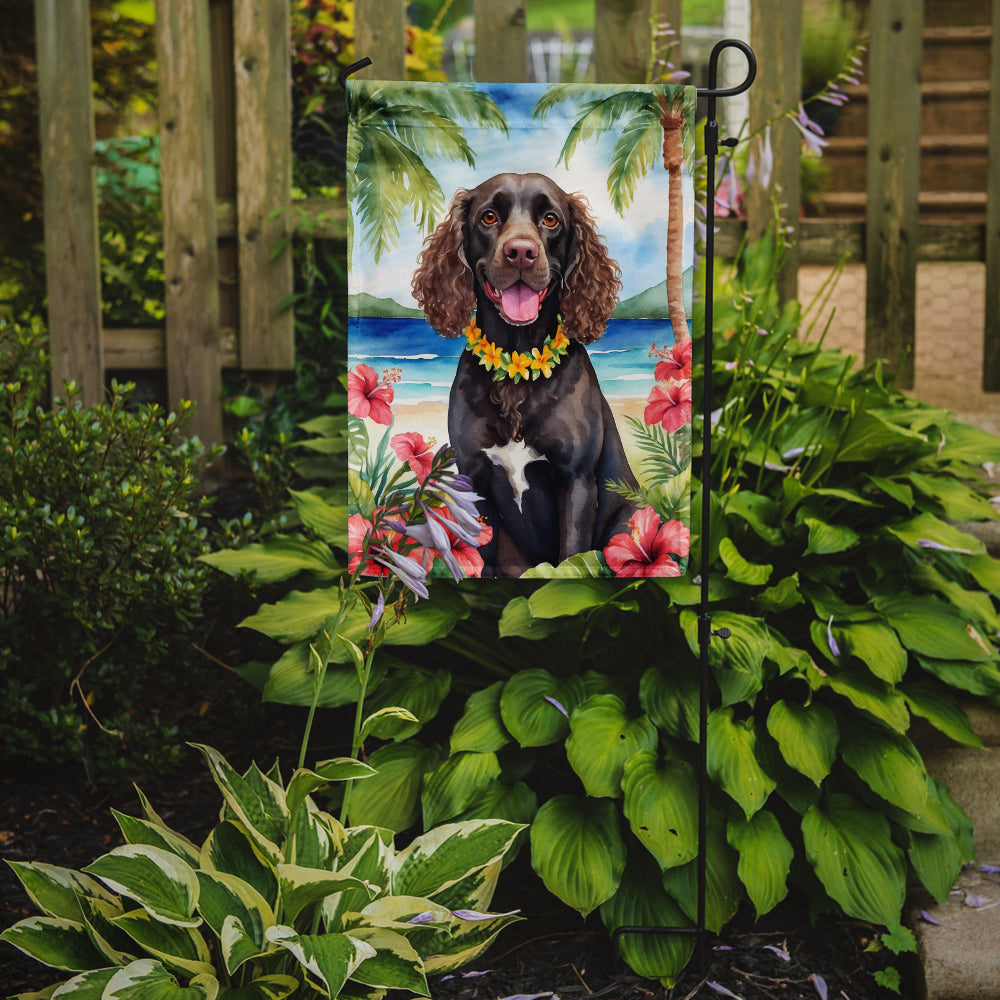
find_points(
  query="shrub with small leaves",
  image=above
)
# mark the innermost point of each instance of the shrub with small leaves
(99, 574)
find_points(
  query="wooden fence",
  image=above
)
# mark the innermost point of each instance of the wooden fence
(226, 162)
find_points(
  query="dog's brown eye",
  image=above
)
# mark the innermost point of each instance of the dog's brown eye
(550, 219)
(490, 217)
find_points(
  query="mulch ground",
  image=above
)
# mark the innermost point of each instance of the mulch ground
(550, 953)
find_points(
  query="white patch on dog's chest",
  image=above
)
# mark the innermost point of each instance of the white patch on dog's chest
(514, 457)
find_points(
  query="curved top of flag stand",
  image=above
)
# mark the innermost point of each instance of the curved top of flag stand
(712, 91)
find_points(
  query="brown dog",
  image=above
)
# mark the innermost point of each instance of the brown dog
(527, 417)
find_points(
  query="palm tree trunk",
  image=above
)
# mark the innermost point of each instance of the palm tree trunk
(672, 121)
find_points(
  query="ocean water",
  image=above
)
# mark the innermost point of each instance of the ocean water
(427, 361)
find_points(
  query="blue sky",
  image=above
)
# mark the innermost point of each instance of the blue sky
(636, 241)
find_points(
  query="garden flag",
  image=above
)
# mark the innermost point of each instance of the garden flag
(520, 264)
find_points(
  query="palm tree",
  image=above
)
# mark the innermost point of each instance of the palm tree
(394, 128)
(654, 119)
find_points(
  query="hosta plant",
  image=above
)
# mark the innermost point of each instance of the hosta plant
(279, 900)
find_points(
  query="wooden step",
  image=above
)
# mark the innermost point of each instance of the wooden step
(945, 105)
(945, 12)
(958, 206)
(956, 53)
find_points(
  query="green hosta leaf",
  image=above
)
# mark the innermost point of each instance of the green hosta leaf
(931, 628)
(928, 528)
(893, 488)
(395, 964)
(937, 859)
(391, 798)
(292, 680)
(957, 501)
(327, 520)
(738, 569)
(976, 678)
(941, 709)
(260, 809)
(661, 799)
(441, 857)
(965, 443)
(517, 620)
(783, 595)
(864, 691)
(481, 728)
(304, 782)
(330, 959)
(224, 898)
(418, 691)
(760, 512)
(142, 831)
(527, 711)
(386, 723)
(850, 847)
(876, 646)
(456, 784)
(578, 851)
(230, 849)
(975, 605)
(177, 947)
(765, 858)
(807, 736)
(56, 891)
(723, 889)
(732, 760)
(561, 598)
(275, 987)
(301, 887)
(159, 881)
(738, 661)
(827, 539)
(671, 700)
(641, 901)
(54, 941)
(147, 979)
(888, 763)
(870, 436)
(602, 738)
(279, 558)
(986, 572)
(515, 803)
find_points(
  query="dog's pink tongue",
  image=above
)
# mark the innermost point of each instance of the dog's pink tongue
(520, 302)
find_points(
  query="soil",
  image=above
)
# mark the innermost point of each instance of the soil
(550, 953)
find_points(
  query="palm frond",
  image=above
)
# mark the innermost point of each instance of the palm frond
(636, 150)
(666, 455)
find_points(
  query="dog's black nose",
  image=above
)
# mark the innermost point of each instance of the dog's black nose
(520, 253)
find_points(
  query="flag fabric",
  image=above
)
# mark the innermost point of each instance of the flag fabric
(520, 273)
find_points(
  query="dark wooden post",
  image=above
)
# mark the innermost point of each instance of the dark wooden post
(380, 34)
(621, 40)
(501, 41)
(190, 251)
(991, 332)
(72, 256)
(892, 215)
(776, 35)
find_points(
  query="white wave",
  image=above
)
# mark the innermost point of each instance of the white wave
(393, 357)
(634, 377)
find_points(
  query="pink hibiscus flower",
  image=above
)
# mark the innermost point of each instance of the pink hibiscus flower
(412, 449)
(367, 396)
(648, 550)
(669, 404)
(676, 364)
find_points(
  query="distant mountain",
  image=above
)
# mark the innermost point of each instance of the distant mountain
(364, 304)
(651, 302)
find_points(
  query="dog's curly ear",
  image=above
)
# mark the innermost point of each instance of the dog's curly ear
(443, 281)
(592, 281)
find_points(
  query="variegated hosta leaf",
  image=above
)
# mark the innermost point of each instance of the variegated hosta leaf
(315, 838)
(732, 760)
(456, 784)
(87, 986)
(850, 847)
(149, 980)
(177, 947)
(441, 857)
(661, 805)
(367, 853)
(116, 947)
(54, 941)
(230, 849)
(642, 902)
(578, 851)
(225, 897)
(256, 801)
(602, 737)
(329, 959)
(304, 782)
(300, 887)
(535, 706)
(158, 880)
(275, 987)
(395, 964)
(765, 858)
(466, 941)
(141, 831)
(56, 891)
(807, 736)
(481, 727)
(476, 890)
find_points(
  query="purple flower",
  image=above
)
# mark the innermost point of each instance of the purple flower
(475, 915)
(409, 572)
(927, 543)
(811, 132)
(761, 163)
(834, 648)
(427, 917)
(462, 504)
(377, 612)
(552, 701)
(820, 983)
(780, 952)
(719, 988)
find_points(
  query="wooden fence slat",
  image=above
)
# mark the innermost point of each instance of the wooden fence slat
(72, 256)
(380, 34)
(501, 35)
(621, 41)
(262, 61)
(776, 36)
(892, 215)
(190, 253)
(991, 330)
